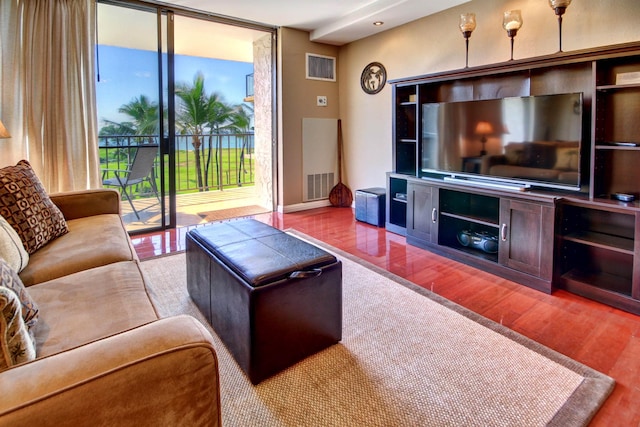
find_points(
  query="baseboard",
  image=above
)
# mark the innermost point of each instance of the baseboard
(304, 206)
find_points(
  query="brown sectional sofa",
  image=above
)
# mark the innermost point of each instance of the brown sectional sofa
(104, 357)
(538, 160)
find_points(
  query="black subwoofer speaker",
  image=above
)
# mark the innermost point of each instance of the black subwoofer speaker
(370, 206)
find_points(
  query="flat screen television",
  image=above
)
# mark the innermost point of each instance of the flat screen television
(527, 142)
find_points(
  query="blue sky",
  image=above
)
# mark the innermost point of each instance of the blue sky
(127, 73)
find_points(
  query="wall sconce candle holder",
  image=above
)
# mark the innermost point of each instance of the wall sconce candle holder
(467, 25)
(560, 7)
(512, 22)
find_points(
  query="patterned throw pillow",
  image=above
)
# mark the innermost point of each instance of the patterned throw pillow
(16, 343)
(11, 247)
(25, 205)
(9, 279)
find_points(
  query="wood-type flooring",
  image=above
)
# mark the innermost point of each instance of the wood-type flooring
(602, 337)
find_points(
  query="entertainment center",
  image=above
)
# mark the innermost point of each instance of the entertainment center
(528, 169)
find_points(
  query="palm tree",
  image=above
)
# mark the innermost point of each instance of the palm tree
(196, 114)
(118, 133)
(144, 114)
(114, 130)
(220, 115)
(241, 123)
(192, 116)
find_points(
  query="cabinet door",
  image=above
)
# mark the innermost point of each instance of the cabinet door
(422, 213)
(526, 237)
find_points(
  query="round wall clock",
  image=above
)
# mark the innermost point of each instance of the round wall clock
(373, 78)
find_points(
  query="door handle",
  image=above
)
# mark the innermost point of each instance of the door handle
(434, 215)
(503, 232)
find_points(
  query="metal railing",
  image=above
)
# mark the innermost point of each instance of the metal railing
(226, 160)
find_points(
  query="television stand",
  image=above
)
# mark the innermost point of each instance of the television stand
(440, 213)
(513, 186)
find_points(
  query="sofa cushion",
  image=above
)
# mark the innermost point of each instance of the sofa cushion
(92, 241)
(513, 153)
(569, 177)
(24, 203)
(540, 155)
(567, 159)
(90, 305)
(9, 279)
(16, 344)
(525, 172)
(11, 247)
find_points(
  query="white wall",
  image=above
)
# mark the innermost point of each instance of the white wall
(435, 44)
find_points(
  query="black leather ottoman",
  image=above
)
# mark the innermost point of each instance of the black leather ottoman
(272, 298)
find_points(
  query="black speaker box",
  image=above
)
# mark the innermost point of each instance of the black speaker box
(370, 206)
(478, 240)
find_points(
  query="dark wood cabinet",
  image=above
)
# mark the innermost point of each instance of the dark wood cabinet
(422, 212)
(586, 241)
(526, 237)
(507, 236)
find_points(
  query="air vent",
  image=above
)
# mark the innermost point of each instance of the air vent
(319, 186)
(320, 67)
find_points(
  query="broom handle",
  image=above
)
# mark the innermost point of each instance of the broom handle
(339, 150)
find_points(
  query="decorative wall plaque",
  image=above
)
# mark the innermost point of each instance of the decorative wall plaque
(373, 78)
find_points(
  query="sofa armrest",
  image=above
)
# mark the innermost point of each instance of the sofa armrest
(161, 373)
(83, 203)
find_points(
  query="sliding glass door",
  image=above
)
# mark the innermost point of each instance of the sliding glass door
(217, 137)
(132, 115)
(186, 86)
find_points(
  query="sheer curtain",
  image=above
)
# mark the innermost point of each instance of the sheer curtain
(48, 100)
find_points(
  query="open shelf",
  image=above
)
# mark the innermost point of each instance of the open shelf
(450, 226)
(473, 219)
(606, 88)
(601, 240)
(617, 147)
(396, 204)
(477, 253)
(599, 280)
(596, 251)
(471, 207)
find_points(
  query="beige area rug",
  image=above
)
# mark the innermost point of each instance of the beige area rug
(222, 214)
(407, 358)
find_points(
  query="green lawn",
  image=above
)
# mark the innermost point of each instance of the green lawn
(226, 172)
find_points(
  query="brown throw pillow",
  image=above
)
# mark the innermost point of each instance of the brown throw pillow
(25, 205)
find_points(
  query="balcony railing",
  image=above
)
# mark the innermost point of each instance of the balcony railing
(226, 160)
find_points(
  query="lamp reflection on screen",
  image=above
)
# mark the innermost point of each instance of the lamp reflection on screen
(483, 129)
(4, 133)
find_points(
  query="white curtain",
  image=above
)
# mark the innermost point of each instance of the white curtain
(48, 101)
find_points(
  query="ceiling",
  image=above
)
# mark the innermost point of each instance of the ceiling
(329, 21)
